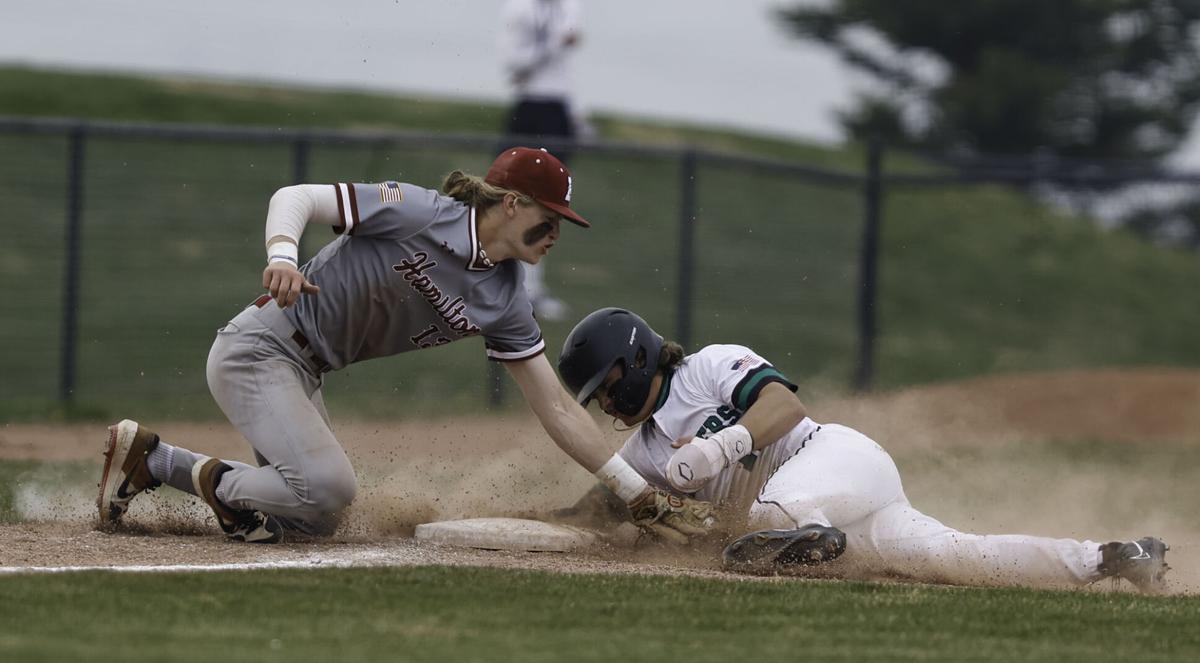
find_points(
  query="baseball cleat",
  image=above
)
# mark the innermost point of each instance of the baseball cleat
(126, 473)
(245, 525)
(1142, 562)
(774, 549)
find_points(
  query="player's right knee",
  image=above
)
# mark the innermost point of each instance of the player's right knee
(330, 492)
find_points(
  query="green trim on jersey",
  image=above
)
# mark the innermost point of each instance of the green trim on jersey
(663, 391)
(747, 390)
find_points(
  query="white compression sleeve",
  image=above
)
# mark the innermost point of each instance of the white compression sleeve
(293, 207)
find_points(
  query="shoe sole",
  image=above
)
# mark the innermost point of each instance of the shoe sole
(1155, 581)
(271, 536)
(120, 439)
(770, 550)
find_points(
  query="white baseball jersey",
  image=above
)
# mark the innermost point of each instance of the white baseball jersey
(711, 390)
(835, 476)
(532, 37)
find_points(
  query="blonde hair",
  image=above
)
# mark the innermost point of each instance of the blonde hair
(474, 191)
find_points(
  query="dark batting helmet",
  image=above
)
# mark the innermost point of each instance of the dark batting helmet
(606, 338)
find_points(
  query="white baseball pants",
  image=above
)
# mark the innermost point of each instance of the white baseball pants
(843, 479)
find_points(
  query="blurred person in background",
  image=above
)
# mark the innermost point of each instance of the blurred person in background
(537, 41)
(411, 268)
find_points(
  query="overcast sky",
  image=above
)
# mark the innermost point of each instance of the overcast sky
(722, 62)
(717, 61)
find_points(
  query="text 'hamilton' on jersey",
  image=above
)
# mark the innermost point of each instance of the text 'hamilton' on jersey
(405, 274)
(708, 392)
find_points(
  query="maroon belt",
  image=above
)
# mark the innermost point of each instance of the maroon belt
(299, 339)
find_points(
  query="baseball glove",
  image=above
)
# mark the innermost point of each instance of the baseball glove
(672, 518)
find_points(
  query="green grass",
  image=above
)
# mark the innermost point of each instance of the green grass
(474, 614)
(973, 279)
(129, 98)
(981, 280)
(37, 92)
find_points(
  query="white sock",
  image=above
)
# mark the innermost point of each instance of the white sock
(159, 461)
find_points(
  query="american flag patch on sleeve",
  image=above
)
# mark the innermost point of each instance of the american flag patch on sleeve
(389, 192)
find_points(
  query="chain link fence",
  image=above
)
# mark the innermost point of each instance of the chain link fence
(127, 246)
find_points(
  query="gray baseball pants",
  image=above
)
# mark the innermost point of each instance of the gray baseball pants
(268, 383)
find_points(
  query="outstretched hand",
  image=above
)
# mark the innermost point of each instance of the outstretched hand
(286, 283)
(672, 518)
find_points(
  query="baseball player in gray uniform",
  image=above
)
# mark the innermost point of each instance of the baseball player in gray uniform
(723, 425)
(412, 268)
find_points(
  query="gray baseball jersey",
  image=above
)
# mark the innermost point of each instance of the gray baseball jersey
(710, 391)
(406, 273)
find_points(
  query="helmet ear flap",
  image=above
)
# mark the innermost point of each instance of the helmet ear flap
(629, 394)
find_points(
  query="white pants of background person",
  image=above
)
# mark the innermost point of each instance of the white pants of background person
(545, 305)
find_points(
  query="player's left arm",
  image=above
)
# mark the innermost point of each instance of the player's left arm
(776, 412)
(771, 410)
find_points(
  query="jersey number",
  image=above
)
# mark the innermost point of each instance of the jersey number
(423, 339)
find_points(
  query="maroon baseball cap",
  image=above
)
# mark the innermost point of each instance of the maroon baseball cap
(537, 174)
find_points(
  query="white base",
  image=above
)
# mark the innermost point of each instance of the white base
(506, 534)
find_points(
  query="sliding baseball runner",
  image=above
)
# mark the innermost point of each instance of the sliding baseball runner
(723, 425)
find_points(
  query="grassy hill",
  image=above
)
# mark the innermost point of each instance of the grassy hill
(111, 96)
(973, 279)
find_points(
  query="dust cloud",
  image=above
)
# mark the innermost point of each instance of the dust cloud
(1100, 455)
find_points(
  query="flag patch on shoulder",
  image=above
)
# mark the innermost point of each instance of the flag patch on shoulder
(389, 192)
(737, 365)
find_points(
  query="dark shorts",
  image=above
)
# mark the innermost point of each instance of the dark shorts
(542, 118)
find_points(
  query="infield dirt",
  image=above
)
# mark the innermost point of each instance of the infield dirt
(1110, 454)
